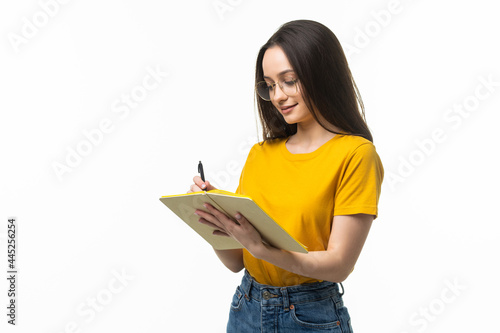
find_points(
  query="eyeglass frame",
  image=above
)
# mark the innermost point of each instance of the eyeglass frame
(274, 85)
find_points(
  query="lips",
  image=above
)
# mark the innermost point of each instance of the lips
(287, 108)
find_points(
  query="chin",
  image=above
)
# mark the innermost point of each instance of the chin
(293, 119)
(290, 120)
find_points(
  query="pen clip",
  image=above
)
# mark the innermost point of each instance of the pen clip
(200, 170)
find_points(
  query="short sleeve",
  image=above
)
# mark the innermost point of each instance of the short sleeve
(238, 189)
(247, 161)
(359, 188)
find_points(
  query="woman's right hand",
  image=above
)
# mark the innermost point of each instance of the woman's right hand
(232, 259)
(199, 185)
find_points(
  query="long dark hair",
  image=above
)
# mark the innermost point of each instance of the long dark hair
(325, 80)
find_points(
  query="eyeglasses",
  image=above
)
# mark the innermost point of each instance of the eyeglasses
(266, 90)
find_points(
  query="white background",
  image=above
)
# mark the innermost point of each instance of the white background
(429, 264)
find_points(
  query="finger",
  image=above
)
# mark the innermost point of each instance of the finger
(220, 233)
(209, 218)
(194, 188)
(211, 225)
(240, 219)
(200, 183)
(242, 222)
(223, 218)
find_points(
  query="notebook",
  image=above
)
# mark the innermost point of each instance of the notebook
(184, 206)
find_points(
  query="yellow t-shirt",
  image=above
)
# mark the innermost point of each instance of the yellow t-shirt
(302, 193)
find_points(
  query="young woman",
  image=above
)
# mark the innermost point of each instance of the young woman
(316, 173)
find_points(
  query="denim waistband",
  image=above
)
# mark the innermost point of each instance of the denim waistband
(284, 296)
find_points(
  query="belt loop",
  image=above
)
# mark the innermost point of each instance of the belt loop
(286, 301)
(342, 294)
(249, 283)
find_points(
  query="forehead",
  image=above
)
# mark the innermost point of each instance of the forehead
(275, 62)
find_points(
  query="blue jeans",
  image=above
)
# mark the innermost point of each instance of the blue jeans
(311, 307)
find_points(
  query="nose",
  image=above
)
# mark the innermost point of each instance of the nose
(279, 95)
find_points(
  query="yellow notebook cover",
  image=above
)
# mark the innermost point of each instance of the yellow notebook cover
(184, 206)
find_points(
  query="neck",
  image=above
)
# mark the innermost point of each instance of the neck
(311, 133)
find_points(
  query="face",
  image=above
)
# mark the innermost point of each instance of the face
(276, 67)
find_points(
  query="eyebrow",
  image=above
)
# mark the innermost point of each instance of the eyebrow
(280, 73)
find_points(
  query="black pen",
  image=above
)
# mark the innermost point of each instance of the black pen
(200, 170)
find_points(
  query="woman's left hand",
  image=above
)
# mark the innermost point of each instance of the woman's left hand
(243, 231)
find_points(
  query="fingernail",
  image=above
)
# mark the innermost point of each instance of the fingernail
(203, 185)
(195, 213)
(238, 216)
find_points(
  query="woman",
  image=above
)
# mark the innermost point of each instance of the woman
(316, 173)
